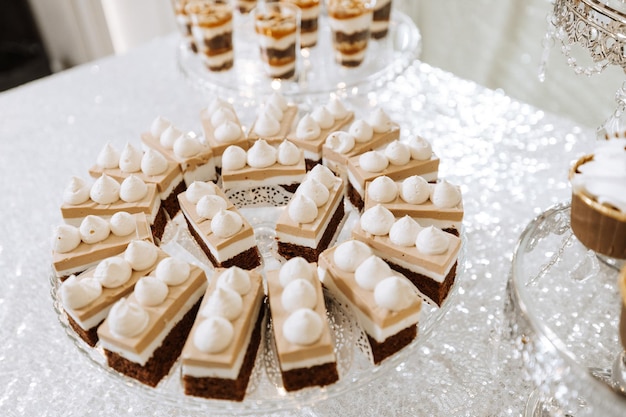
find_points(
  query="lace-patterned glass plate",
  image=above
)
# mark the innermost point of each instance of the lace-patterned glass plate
(265, 393)
(567, 306)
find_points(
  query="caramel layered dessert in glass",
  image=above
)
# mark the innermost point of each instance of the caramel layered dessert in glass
(310, 11)
(184, 23)
(277, 26)
(212, 27)
(350, 23)
(380, 19)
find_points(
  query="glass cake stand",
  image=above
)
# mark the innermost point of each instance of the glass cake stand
(564, 308)
(265, 393)
(318, 73)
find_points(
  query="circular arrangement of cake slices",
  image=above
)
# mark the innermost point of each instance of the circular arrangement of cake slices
(147, 310)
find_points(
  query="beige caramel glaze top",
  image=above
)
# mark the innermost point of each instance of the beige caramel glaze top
(285, 127)
(86, 254)
(378, 140)
(163, 181)
(110, 295)
(209, 135)
(192, 356)
(315, 145)
(361, 298)
(145, 205)
(287, 351)
(163, 313)
(437, 263)
(186, 164)
(395, 172)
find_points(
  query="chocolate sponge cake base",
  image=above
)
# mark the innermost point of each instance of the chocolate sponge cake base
(170, 204)
(436, 291)
(319, 375)
(391, 345)
(163, 358)
(90, 336)
(228, 389)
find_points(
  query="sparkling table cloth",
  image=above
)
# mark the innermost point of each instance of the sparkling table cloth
(511, 160)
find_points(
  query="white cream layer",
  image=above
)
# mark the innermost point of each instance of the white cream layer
(352, 25)
(229, 251)
(202, 173)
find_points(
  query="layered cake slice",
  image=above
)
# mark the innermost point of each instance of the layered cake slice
(427, 256)
(308, 224)
(274, 120)
(263, 165)
(219, 355)
(397, 161)
(75, 249)
(105, 197)
(361, 137)
(224, 235)
(312, 129)
(150, 166)
(194, 157)
(439, 204)
(144, 333)
(385, 303)
(304, 345)
(221, 128)
(87, 298)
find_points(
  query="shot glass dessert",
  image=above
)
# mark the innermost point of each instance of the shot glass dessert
(184, 23)
(212, 27)
(380, 20)
(310, 11)
(350, 25)
(277, 26)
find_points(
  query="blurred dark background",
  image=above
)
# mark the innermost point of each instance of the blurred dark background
(22, 55)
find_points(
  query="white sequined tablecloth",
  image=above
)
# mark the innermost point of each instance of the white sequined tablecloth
(510, 158)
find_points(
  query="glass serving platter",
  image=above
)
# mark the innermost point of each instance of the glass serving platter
(566, 312)
(318, 73)
(265, 393)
